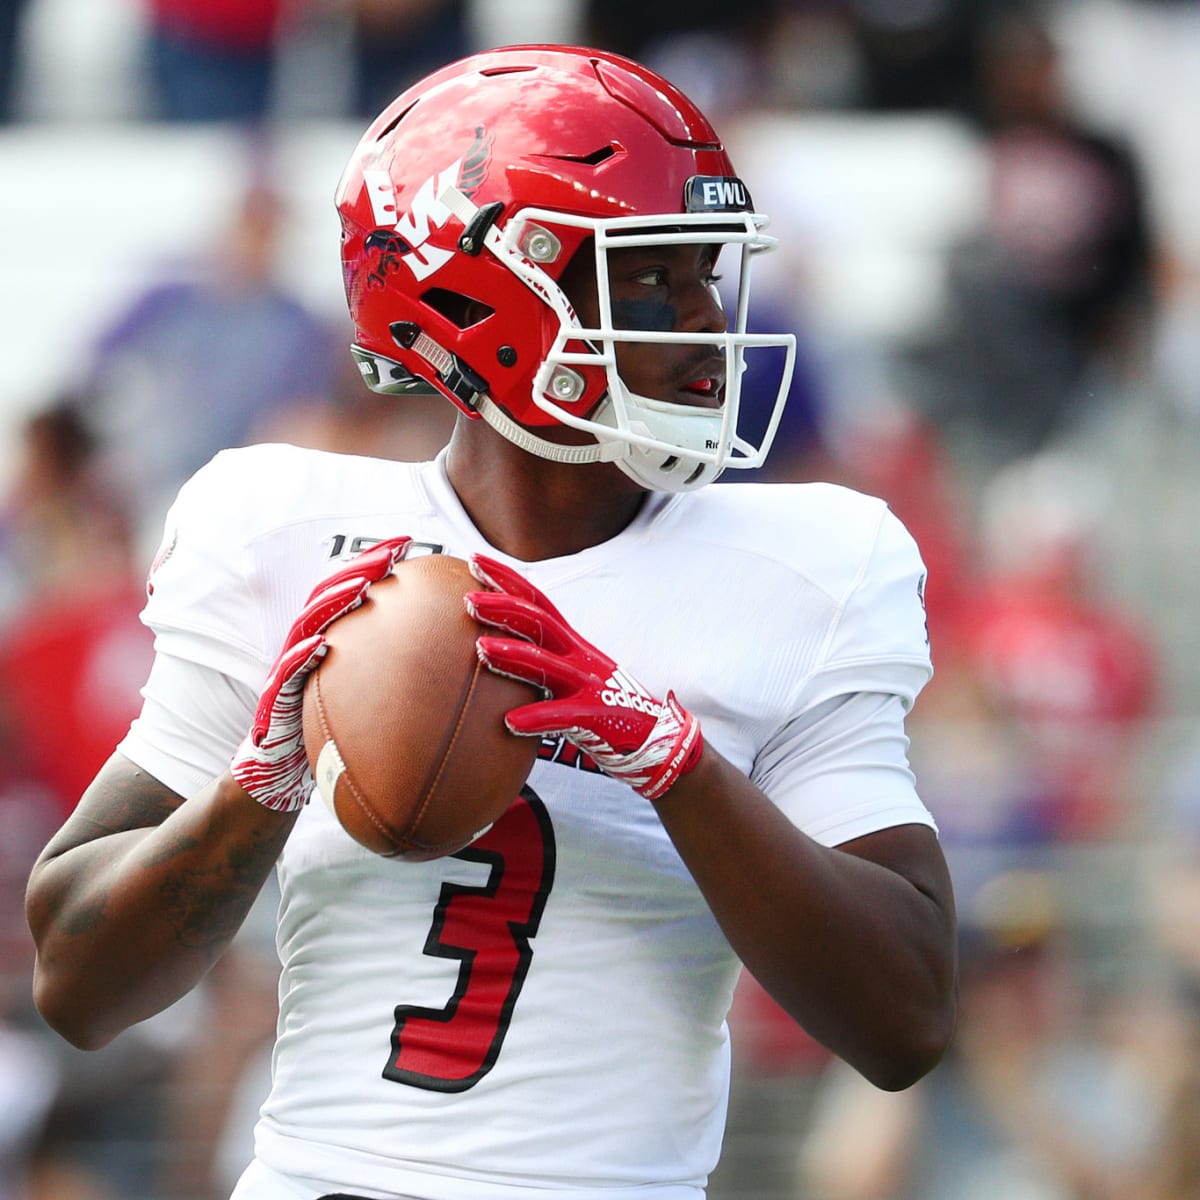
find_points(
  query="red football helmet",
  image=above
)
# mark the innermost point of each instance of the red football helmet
(461, 207)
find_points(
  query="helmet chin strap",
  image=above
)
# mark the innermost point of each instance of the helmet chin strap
(554, 451)
(684, 473)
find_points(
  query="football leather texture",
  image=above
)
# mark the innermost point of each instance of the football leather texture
(404, 727)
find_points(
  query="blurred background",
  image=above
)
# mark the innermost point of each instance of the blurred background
(990, 223)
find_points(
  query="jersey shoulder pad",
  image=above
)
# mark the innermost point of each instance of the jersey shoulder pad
(852, 549)
(240, 546)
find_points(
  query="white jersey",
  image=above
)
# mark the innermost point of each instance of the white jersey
(545, 1010)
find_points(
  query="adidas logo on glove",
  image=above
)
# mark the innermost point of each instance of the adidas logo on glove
(623, 692)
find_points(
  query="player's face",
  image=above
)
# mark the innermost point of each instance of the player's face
(668, 289)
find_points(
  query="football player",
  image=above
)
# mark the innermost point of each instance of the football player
(537, 234)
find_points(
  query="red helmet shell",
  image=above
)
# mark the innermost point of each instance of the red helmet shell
(578, 131)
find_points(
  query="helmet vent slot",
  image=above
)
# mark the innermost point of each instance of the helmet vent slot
(391, 125)
(591, 160)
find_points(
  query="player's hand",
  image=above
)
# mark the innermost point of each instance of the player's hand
(630, 735)
(271, 764)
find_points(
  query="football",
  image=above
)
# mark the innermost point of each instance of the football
(404, 727)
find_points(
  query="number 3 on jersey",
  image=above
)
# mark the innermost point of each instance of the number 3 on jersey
(488, 929)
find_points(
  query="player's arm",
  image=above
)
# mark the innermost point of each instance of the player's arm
(857, 943)
(140, 892)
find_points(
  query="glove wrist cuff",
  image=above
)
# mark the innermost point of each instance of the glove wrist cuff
(279, 790)
(684, 754)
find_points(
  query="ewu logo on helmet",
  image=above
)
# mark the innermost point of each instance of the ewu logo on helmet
(402, 237)
(716, 193)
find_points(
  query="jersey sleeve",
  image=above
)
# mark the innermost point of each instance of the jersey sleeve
(878, 641)
(201, 603)
(840, 770)
(212, 654)
(192, 719)
(838, 766)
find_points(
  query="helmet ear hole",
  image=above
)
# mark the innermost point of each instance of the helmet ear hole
(460, 310)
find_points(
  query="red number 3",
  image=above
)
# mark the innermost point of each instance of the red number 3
(488, 929)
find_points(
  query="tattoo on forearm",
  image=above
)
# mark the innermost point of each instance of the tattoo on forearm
(203, 900)
(114, 806)
(122, 798)
(207, 905)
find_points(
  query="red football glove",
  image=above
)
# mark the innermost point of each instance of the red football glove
(591, 702)
(271, 763)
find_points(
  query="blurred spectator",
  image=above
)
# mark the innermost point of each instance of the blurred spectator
(1045, 1095)
(71, 630)
(104, 1133)
(1176, 349)
(642, 30)
(868, 54)
(777, 1071)
(58, 514)
(918, 57)
(879, 444)
(199, 361)
(29, 1075)
(396, 42)
(810, 60)
(1073, 675)
(139, 1118)
(212, 60)
(34, 1082)
(352, 419)
(221, 1056)
(73, 668)
(65, 561)
(1056, 288)
(1173, 887)
(716, 51)
(1175, 1172)
(12, 13)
